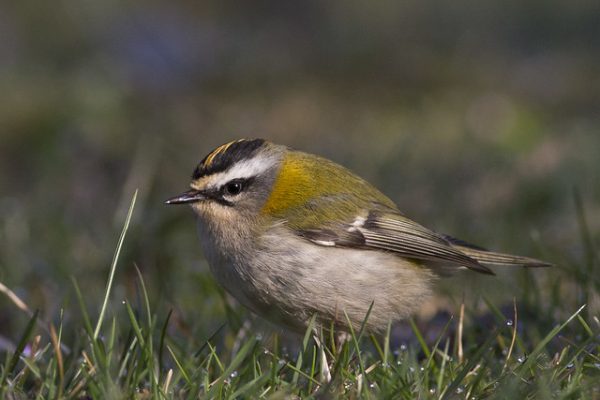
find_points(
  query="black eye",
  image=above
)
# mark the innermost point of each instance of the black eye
(234, 188)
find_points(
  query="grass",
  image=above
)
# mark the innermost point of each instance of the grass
(130, 351)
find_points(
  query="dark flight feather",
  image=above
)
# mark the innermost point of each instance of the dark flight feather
(395, 233)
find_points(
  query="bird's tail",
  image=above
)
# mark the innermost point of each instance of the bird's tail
(487, 257)
(492, 258)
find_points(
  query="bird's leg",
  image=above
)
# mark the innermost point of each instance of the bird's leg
(341, 338)
(239, 337)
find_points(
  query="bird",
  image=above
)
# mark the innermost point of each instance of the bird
(295, 237)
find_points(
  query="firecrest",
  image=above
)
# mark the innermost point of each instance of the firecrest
(291, 235)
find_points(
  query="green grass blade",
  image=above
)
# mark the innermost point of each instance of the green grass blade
(233, 365)
(183, 371)
(86, 318)
(161, 343)
(20, 346)
(307, 335)
(246, 390)
(355, 341)
(473, 360)
(419, 336)
(113, 266)
(531, 359)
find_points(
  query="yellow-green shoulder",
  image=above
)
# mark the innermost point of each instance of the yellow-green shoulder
(313, 190)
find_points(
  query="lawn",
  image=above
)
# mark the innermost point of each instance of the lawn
(549, 348)
(479, 120)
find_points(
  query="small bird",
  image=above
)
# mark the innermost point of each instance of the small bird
(291, 235)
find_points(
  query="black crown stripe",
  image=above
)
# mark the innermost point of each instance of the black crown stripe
(226, 155)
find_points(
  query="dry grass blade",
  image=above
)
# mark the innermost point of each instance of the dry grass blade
(59, 359)
(514, 335)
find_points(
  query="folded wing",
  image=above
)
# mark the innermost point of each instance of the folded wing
(391, 231)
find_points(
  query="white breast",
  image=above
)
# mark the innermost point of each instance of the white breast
(287, 279)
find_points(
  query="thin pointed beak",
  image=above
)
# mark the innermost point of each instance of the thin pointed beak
(191, 196)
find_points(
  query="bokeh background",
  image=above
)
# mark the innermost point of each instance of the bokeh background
(480, 119)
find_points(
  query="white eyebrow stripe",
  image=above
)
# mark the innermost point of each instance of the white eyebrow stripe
(243, 169)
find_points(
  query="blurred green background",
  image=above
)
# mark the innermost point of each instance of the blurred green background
(479, 119)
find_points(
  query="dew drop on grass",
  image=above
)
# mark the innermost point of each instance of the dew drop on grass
(460, 389)
(258, 336)
(521, 359)
(432, 391)
(234, 374)
(411, 369)
(372, 385)
(403, 347)
(509, 322)
(570, 365)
